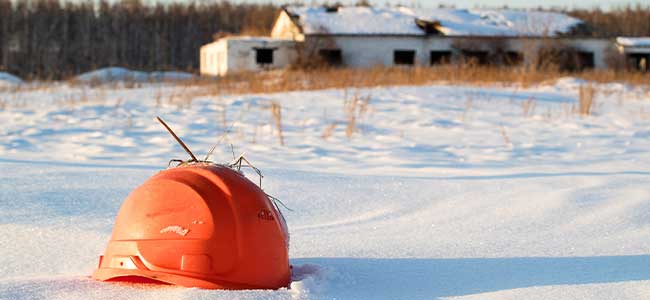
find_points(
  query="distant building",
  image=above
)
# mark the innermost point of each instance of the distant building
(399, 36)
(245, 54)
(636, 51)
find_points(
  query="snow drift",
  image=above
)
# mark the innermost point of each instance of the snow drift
(113, 74)
(7, 80)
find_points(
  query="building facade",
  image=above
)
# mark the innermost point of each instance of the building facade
(245, 54)
(636, 51)
(363, 37)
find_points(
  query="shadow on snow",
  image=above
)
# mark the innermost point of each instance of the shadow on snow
(366, 278)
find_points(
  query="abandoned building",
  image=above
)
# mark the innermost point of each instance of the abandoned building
(636, 51)
(357, 36)
(232, 54)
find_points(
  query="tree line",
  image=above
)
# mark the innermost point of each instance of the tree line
(54, 39)
(620, 21)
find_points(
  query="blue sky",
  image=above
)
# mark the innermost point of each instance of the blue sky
(604, 4)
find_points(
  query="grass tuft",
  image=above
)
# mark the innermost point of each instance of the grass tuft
(586, 99)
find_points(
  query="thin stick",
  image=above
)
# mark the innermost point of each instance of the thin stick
(177, 139)
(207, 156)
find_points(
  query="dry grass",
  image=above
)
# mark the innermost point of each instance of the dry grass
(354, 109)
(506, 138)
(586, 99)
(324, 78)
(293, 80)
(528, 107)
(468, 106)
(350, 79)
(351, 116)
(329, 130)
(276, 112)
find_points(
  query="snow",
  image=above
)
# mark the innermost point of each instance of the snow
(112, 74)
(504, 22)
(8, 80)
(454, 22)
(442, 192)
(261, 39)
(633, 41)
(170, 76)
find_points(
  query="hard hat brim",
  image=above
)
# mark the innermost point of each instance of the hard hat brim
(146, 276)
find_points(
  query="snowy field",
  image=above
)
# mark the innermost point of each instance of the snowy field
(436, 192)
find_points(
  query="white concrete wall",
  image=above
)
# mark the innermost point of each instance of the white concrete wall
(242, 54)
(238, 54)
(232, 55)
(599, 47)
(214, 58)
(368, 51)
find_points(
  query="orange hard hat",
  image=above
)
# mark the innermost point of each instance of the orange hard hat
(198, 225)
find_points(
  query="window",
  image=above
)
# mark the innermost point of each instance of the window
(332, 8)
(585, 60)
(440, 57)
(639, 61)
(513, 58)
(475, 57)
(264, 56)
(404, 57)
(332, 57)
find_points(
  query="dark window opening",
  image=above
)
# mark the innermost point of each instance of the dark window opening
(332, 8)
(639, 61)
(585, 60)
(332, 57)
(514, 58)
(264, 56)
(440, 57)
(404, 57)
(475, 57)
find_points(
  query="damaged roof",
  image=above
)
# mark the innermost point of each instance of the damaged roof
(361, 20)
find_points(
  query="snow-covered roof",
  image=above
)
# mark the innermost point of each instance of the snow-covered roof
(264, 40)
(261, 39)
(447, 21)
(633, 41)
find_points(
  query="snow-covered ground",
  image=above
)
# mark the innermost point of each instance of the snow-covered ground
(440, 192)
